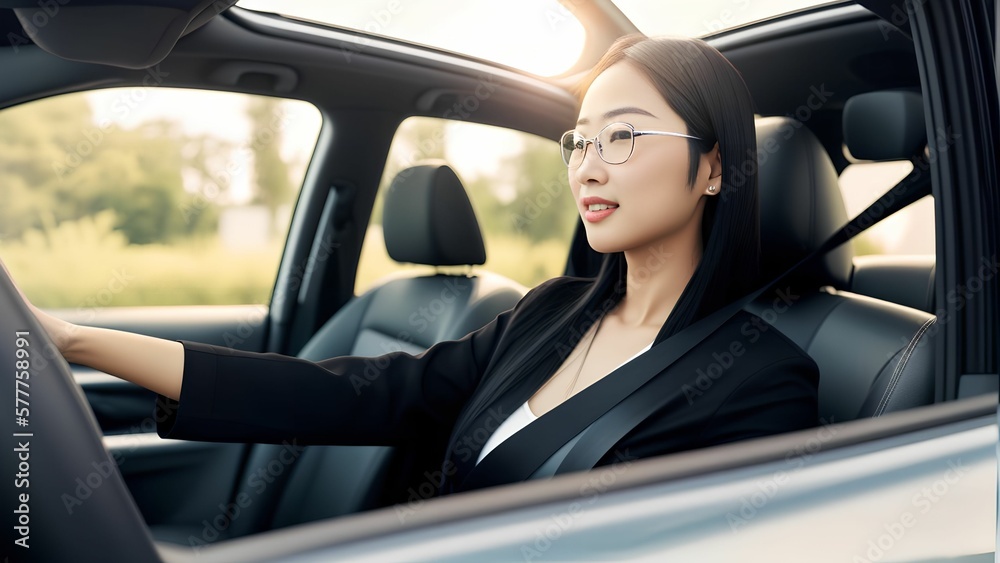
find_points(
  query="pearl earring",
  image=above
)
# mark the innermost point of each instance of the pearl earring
(711, 189)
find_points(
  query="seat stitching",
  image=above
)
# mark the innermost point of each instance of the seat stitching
(897, 373)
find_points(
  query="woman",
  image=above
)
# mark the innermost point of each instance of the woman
(662, 129)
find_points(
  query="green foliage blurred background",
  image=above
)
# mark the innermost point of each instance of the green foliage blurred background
(95, 213)
(90, 206)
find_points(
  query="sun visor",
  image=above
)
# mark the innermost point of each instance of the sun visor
(134, 34)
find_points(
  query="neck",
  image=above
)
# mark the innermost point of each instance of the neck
(657, 275)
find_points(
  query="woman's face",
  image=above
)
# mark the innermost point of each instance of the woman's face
(652, 199)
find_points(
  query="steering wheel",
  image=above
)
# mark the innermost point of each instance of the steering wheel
(63, 494)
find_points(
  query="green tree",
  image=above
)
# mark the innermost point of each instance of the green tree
(541, 206)
(137, 174)
(33, 138)
(272, 177)
(59, 165)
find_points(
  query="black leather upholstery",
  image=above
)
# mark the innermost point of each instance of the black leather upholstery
(874, 356)
(886, 125)
(907, 280)
(798, 208)
(65, 490)
(428, 219)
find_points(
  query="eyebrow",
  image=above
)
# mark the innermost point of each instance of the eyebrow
(616, 113)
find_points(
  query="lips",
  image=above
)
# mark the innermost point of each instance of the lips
(597, 209)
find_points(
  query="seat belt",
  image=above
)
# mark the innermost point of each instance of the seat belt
(521, 456)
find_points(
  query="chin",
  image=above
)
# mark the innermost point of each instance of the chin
(603, 245)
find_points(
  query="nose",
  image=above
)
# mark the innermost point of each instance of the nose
(586, 146)
(592, 170)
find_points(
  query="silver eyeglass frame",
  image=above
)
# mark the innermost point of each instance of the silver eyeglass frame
(597, 145)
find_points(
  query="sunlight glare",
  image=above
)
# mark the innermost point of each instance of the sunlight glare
(539, 36)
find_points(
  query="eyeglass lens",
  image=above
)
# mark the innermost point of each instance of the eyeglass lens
(614, 145)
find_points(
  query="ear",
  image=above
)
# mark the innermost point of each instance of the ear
(713, 159)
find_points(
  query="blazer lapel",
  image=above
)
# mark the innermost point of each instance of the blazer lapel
(485, 425)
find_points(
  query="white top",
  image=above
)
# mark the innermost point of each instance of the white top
(523, 417)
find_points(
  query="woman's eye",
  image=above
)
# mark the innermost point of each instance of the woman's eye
(619, 135)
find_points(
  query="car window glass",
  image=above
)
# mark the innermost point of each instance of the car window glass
(518, 187)
(539, 36)
(150, 196)
(908, 231)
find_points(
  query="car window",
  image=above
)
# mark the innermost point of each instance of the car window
(549, 36)
(518, 187)
(150, 196)
(908, 231)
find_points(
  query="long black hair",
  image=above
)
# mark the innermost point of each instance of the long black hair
(709, 94)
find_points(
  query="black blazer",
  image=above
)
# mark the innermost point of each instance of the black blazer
(745, 380)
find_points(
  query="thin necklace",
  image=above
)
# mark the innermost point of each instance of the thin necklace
(584, 360)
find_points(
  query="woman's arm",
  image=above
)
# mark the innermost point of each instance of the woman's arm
(153, 363)
(239, 396)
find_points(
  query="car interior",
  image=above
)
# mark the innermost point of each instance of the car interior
(833, 85)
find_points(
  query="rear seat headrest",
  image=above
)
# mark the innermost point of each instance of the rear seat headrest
(887, 125)
(428, 219)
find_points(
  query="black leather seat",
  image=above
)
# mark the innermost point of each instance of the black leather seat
(874, 356)
(427, 219)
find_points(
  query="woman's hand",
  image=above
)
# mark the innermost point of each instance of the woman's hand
(60, 332)
(153, 363)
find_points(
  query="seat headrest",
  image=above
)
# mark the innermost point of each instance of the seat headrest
(886, 125)
(800, 202)
(428, 219)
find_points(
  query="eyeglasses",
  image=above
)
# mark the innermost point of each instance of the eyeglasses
(614, 143)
